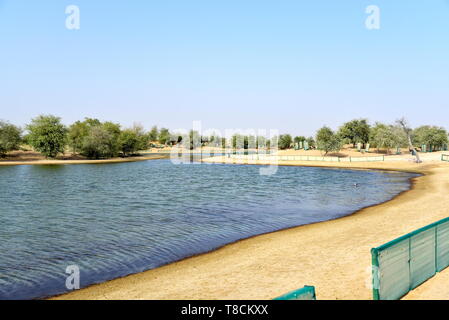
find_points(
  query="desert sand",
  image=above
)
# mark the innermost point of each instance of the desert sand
(334, 256)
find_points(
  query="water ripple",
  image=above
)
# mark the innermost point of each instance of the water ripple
(116, 219)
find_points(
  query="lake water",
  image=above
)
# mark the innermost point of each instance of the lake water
(115, 219)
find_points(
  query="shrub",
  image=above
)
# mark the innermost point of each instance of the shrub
(10, 137)
(47, 135)
(327, 140)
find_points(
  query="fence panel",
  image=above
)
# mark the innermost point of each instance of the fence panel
(422, 257)
(406, 262)
(366, 159)
(442, 244)
(444, 157)
(306, 293)
(305, 158)
(393, 271)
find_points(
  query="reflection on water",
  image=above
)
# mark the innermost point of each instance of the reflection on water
(116, 219)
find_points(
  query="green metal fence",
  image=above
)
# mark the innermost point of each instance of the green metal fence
(263, 157)
(306, 293)
(445, 157)
(362, 159)
(404, 263)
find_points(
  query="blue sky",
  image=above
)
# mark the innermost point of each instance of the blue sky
(288, 65)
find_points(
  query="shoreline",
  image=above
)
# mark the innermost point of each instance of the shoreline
(84, 161)
(195, 276)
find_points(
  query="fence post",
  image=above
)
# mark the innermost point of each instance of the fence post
(375, 272)
(409, 264)
(436, 248)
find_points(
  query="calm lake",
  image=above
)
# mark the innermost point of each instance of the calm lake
(115, 219)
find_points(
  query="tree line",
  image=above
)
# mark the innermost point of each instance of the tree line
(91, 138)
(381, 136)
(96, 140)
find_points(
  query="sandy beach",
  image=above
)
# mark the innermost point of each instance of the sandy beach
(333, 256)
(81, 161)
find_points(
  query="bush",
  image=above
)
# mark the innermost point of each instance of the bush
(131, 141)
(76, 134)
(430, 136)
(355, 131)
(299, 139)
(328, 141)
(311, 142)
(387, 136)
(153, 134)
(285, 141)
(164, 136)
(98, 144)
(47, 135)
(10, 137)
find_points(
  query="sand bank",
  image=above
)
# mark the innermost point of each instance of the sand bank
(84, 161)
(334, 256)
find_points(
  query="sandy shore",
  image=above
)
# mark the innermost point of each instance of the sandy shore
(334, 256)
(63, 162)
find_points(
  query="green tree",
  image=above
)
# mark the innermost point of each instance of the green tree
(374, 142)
(214, 140)
(299, 139)
(95, 140)
(285, 141)
(387, 136)
(194, 139)
(223, 142)
(79, 131)
(76, 134)
(129, 142)
(252, 142)
(142, 137)
(114, 131)
(355, 131)
(10, 137)
(261, 142)
(26, 140)
(273, 143)
(328, 141)
(268, 144)
(153, 134)
(164, 136)
(91, 122)
(97, 144)
(430, 136)
(238, 141)
(47, 135)
(311, 142)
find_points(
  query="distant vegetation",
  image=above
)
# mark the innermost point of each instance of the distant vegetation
(47, 135)
(91, 138)
(10, 138)
(382, 136)
(98, 140)
(328, 141)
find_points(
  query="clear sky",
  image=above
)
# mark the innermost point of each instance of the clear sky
(290, 65)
